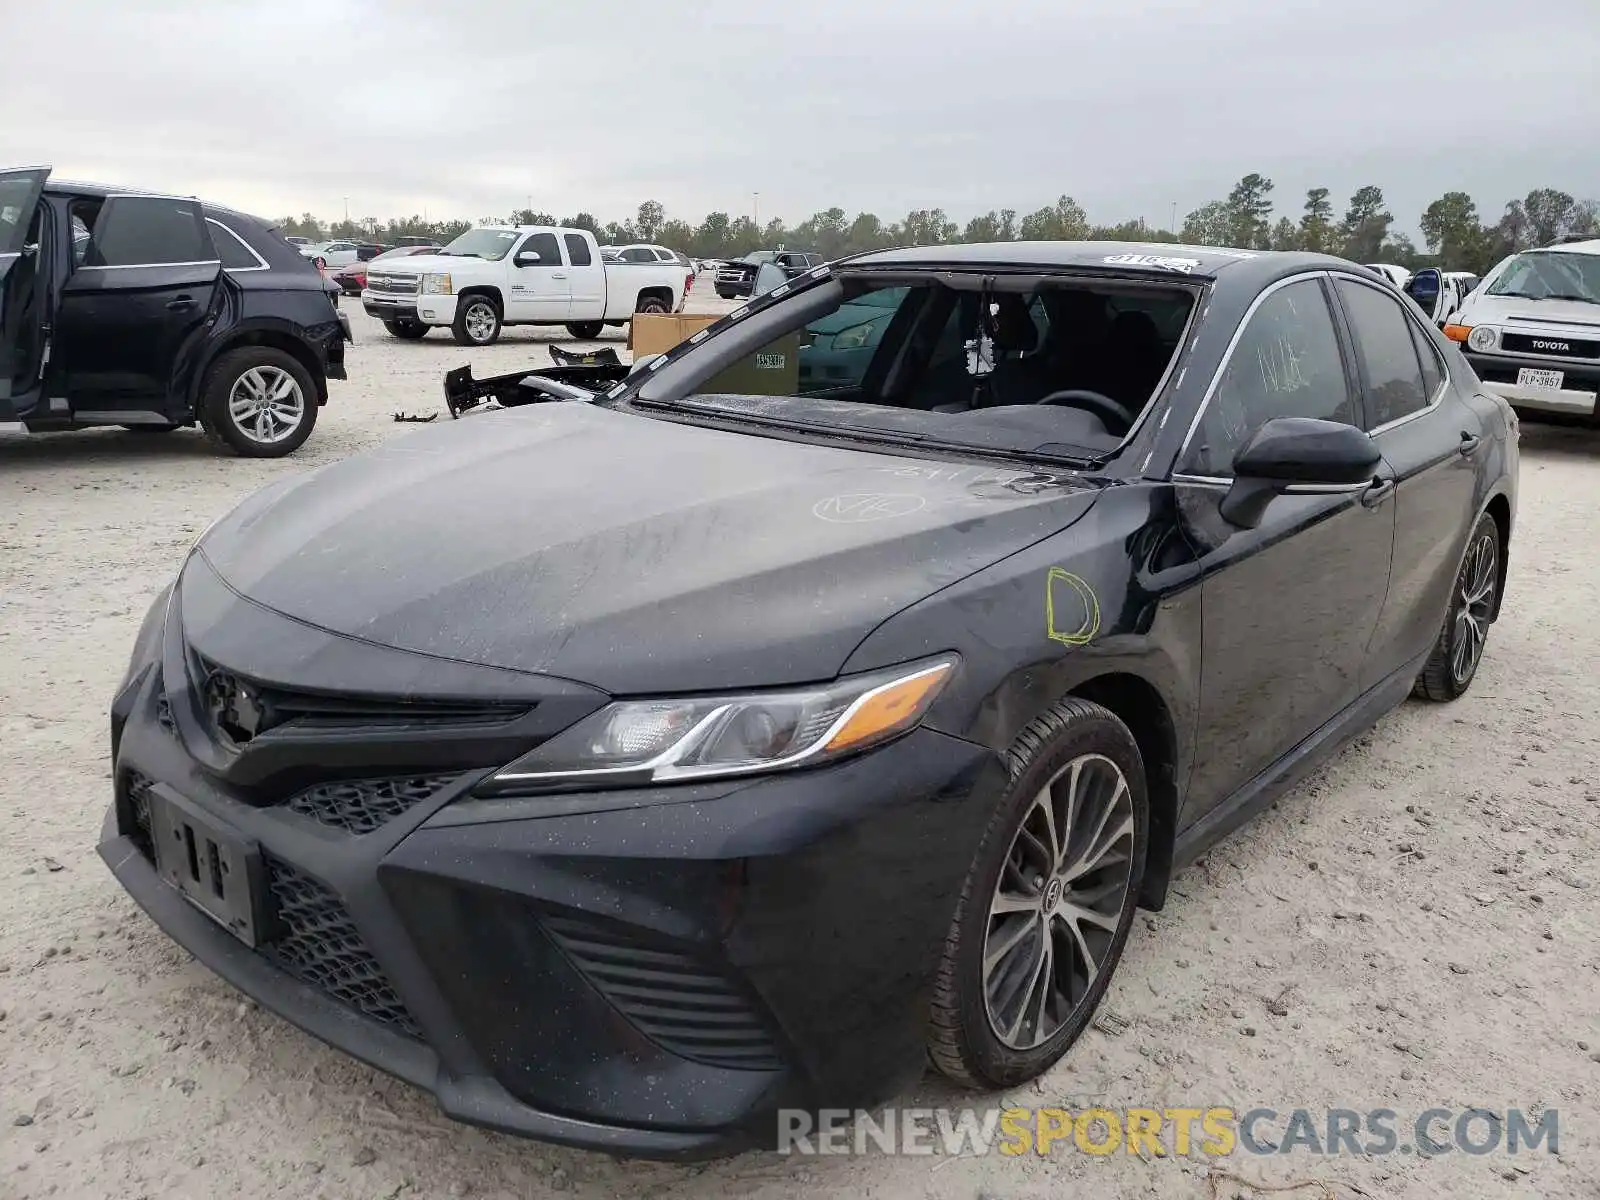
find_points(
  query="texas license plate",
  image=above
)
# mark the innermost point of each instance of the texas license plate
(1539, 381)
(217, 868)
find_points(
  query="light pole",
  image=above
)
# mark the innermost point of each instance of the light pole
(347, 210)
(1174, 225)
(755, 199)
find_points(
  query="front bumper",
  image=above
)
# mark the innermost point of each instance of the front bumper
(651, 972)
(1580, 382)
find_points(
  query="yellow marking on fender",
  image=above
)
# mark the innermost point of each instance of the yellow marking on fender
(1090, 626)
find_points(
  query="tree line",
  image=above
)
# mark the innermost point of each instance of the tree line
(1457, 238)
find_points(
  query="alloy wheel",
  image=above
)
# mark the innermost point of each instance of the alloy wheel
(479, 322)
(1057, 904)
(1479, 577)
(266, 404)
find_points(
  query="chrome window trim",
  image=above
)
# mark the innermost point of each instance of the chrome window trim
(1444, 384)
(261, 263)
(204, 262)
(1227, 358)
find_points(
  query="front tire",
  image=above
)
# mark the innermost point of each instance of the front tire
(259, 402)
(1453, 664)
(1048, 902)
(409, 331)
(477, 322)
(585, 331)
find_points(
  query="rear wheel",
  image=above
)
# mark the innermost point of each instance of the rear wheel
(408, 330)
(1046, 907)
(1454, 662)
(651, 304)
(477, 322)
(585, 331)
(259, 402)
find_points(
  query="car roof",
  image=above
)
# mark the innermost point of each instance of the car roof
(1162, 259)
(1587, 246)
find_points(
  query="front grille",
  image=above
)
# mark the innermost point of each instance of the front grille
(394, 285)
(319, 945)
(234, 697)
(686, 1006)
(136, 790)
(361, 805)
(1554, 347)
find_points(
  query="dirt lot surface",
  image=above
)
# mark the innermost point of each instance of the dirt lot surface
(1416, 927)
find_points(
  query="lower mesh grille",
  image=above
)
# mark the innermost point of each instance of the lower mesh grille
(361, 805)
(136, 787)
(319, 945)
(684, 1005)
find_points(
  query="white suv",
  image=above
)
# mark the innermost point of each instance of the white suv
(1531, 329)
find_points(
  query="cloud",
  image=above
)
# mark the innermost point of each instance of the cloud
(405, 106)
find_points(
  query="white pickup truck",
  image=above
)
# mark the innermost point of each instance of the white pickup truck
(499, 275)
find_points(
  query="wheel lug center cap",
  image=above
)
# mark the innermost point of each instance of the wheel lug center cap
(1052, 894)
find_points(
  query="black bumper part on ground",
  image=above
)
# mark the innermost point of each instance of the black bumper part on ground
(648, 972)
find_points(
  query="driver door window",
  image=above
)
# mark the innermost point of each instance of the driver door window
(1287, 363)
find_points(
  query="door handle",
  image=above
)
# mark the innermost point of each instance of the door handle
(1469, 444)
(181, 302)
(1380, 491)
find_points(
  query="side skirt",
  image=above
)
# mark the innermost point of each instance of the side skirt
(1357, 718)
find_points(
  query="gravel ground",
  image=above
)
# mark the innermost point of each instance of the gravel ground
(1414, 927)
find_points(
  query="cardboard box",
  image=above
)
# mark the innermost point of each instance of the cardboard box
(774, 370)
(656, 333)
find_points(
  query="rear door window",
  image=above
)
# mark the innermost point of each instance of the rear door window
(577, 250)
(142, 231)
(1387, 352)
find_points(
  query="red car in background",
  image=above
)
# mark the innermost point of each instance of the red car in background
(353, 278)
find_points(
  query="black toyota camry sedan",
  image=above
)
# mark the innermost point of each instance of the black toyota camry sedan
(627, 767)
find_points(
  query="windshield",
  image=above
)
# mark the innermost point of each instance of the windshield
(1550, 275)
(492, 244)
(1061, 368)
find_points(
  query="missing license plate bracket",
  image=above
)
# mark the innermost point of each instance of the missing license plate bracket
(214, 866)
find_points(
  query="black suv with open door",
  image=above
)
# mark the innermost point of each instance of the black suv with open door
(153, 312)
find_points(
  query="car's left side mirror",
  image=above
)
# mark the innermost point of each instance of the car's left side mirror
(527, 258)
(1301, 455)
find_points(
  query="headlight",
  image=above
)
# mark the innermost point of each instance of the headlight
(438, 285)
(853, 338)
(1483, 337)
(658, 741)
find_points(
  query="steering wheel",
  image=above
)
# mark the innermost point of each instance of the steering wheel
(1098, 403)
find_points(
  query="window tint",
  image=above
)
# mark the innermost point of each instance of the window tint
(637, 254)
(143, 231)
(1432, 364)
(1383, 342)
(231, 249)
(577, 249)
(663, 255)
(1286, 364)
(544, 245)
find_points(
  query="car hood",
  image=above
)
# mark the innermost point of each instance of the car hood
(417, 264)
(1484, 309)
(634, 554)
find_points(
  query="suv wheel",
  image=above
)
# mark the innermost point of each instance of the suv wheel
(259, 402)
(1046, 907)
(477, 322)
(586, 331)
(1454, 662)
(408, 330)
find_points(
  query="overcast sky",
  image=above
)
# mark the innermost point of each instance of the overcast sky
(472, 110)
